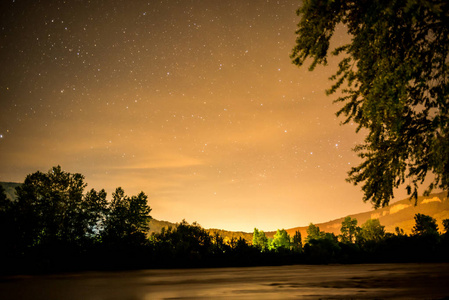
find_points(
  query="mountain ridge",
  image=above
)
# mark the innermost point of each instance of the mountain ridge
(398, 214)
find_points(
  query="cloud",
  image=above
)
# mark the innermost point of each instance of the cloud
(394, 209)
(434, 199)
(162, 161)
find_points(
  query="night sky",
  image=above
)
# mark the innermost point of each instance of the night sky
(196, 103)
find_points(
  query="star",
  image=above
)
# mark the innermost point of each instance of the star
(175, 88)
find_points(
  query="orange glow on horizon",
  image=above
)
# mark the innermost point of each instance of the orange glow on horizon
(196, 104)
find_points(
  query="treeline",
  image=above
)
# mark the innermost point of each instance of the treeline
(53, 225)
(368, 243)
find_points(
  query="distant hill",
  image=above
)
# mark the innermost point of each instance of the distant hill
(229, 235)
(10, 189)
(398, 214)
(157, 225)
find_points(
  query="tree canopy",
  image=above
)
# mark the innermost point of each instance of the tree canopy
(52, 211)
(372, 230)
(348, 230)
(53, 226)
(393, 81)
(425, 225)
(128, 218)
(260, 239)
(50, 208)
(281, 239)
(313, 233)
(446, 226)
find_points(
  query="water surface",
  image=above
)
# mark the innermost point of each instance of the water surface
(365, 281)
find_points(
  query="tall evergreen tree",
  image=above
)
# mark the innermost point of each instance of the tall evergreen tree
(296, 242)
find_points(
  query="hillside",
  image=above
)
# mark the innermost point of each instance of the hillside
(398, 214)
(10, 189)
(157, 225)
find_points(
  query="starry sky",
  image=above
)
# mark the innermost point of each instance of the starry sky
(194, 102)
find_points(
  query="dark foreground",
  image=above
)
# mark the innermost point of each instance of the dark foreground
(365, 281)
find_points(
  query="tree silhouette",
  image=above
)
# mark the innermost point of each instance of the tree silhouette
(53, 219)
(5, 203)
(372, 230)
(260, 240)
(425, 225)
(54, 226)
(95, 209)
(348, 230)
(313, 233)
(446, 226)
(49, 208)
(393, 78)
(127, 219)
(8, 233)
(296, 242)
(186, 244)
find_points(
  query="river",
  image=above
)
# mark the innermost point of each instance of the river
(364, 281)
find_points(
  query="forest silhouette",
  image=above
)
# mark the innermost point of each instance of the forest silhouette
(54, 225)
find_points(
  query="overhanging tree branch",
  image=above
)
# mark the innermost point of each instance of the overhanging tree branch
(393, 78)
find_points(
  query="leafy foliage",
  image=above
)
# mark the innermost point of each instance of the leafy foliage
(53, 217)
(5, 203)
(372, 230)
(313, 233)
(127, 218)
(425, 225)
(54, 226)
(393, 80)
(7, 232)
(10, 189)
(446, 226)
(260, 240)
(281, 240)
(348, 230)
(296, 242)
(95, 208)
(49, 208)
(186, 242)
